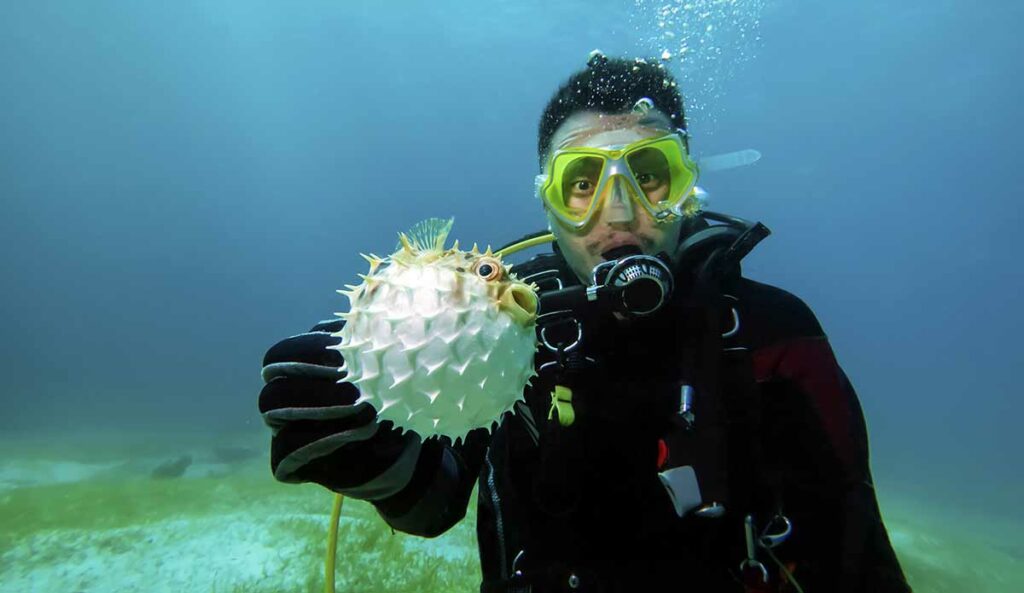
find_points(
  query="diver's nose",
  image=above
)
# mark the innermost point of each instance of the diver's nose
(520, 302)
(619, 204)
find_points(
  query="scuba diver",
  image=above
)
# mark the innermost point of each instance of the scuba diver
(689, 428)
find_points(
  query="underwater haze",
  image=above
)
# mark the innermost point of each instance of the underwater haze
(183, 184)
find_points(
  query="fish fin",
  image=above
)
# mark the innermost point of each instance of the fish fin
(428, 235)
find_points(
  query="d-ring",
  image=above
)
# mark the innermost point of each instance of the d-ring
(770, 540)
(735, 324)
(547, 344)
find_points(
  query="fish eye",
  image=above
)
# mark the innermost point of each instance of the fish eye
(488, 268)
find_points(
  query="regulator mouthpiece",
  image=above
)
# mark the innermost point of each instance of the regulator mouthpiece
(642, 283)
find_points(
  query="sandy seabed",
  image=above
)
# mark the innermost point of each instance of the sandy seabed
(79, 520)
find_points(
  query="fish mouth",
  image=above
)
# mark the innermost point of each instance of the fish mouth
(520, 302)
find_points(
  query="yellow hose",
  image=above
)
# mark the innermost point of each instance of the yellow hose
(332, 544)
(525, 244)
(785, 571)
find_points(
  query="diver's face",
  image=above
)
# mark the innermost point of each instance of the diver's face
(619, 220)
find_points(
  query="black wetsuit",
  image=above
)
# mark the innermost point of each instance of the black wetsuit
(581, 508)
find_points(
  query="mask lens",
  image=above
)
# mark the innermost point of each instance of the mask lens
(664, 172)
(651, 170)
(575, 184)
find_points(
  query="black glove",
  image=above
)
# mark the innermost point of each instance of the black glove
(319, 434)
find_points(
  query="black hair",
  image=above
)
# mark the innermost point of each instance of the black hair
(611, 85)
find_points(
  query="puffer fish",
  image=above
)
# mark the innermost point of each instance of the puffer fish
(439, 341)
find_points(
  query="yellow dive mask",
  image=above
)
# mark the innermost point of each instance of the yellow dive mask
(656, 173)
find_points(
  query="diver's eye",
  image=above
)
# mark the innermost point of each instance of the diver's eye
(581, 189)
(488, 268)
(647, 180)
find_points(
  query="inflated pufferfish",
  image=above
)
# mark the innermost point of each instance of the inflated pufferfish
(439, 341)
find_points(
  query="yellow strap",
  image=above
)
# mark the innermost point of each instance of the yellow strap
(561, 401)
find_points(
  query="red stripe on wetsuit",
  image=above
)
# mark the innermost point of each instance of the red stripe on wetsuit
(810, 364)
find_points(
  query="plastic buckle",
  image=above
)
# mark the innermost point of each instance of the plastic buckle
(561, 403)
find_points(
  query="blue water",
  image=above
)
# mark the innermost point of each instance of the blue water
(185, 183)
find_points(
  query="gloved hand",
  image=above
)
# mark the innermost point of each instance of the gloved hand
(319, 434)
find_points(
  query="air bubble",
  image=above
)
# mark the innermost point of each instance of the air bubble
(710, 40)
